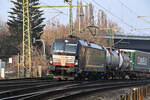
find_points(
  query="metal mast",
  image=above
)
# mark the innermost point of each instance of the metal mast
(70, 18)
(27, 53)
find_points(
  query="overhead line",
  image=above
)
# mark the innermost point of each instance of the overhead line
(58, 11)
(131, 11)
(113, 14)
(127, 7)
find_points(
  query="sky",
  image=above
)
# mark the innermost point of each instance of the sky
(123, 12)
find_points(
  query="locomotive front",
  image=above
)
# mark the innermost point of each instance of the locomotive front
(63, 58)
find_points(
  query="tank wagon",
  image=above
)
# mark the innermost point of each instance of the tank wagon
(76, 59)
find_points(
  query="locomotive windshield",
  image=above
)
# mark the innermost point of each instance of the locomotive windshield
(64, 47)
(71, 48)
(58, 46)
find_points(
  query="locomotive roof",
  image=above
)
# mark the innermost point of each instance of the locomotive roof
(95, 46)
(92, 45)
(70, 40)
(83, 43)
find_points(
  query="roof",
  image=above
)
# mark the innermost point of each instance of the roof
(92, 45)
(95, 46)
(83, 43)
(128, 50)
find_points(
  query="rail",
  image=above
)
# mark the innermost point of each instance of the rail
(66, 89)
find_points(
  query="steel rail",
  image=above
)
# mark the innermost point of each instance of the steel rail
(36, 78)
(22, 85)
(69, 92)
(29, 90)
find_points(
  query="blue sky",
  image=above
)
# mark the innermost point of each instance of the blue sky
(128, 16)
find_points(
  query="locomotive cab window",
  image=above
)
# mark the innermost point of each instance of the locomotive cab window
(70, 48)
(58, 46)
(62, 47)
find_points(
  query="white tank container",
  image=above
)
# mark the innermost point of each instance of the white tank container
(120, 60)
(126, 61)
(108, 57)
(114, 59)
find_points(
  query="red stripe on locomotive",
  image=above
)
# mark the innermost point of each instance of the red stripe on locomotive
(59, 64)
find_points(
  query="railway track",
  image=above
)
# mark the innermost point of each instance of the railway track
(23, 91)
(81, 90)
(22, 79)
(9, 84)
(56, 90)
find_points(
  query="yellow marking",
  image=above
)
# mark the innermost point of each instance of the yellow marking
(63, 6)
(95, 66)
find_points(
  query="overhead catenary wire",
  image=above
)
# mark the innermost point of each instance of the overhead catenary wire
(130, 10)
(113, 16)
(58, 11)
(133, 12)
(122, 21)
(136, 16)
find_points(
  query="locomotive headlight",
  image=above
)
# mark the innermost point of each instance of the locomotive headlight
(51, 62)
(76, 62)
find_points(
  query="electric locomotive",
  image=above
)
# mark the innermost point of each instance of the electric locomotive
(73, 58)
(64, 57)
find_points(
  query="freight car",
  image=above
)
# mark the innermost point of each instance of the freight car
(139, 63)
(73, 58)
(117, 63)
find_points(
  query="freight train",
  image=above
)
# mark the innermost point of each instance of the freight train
(72, 58)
